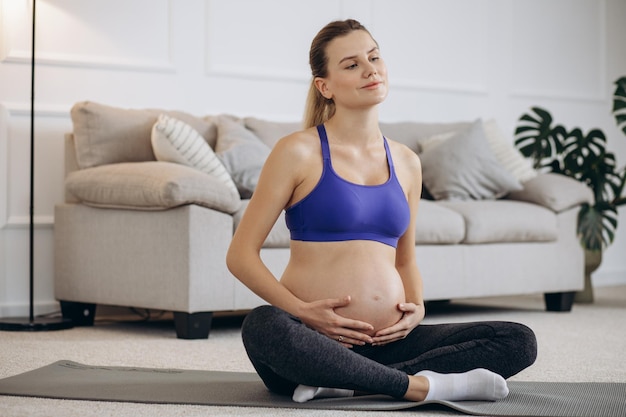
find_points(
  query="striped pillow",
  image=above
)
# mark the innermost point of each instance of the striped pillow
(175, 141)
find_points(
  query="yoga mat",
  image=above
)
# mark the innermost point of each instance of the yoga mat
(71, 380)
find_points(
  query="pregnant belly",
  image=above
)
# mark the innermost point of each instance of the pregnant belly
(374, 296)
(380, 310)
(363, 270)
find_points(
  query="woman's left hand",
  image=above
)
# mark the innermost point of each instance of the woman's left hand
(412, 316)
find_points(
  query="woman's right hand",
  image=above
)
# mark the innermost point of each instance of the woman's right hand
(321, 316)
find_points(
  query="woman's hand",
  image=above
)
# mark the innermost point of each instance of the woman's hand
(412, 316)
(321, 316)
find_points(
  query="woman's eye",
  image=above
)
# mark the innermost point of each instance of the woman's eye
(351, 66)
(375, 58)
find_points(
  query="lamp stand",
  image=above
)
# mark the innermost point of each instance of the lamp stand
(31, 323)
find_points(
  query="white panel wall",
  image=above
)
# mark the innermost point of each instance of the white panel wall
(448, 60)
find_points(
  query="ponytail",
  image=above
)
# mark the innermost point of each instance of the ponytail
(319, 109)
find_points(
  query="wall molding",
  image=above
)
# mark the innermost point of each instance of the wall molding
(597, 97)
(247, 72)
(44, 222)
(252, 74)
(44, 110)
(471, 89)
(93, 61)
(10, 54)
(8, 110)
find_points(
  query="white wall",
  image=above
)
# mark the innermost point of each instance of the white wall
(448, 60)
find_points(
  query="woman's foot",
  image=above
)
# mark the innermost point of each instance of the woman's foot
(477, 384)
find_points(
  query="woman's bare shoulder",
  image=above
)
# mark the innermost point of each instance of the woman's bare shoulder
(404, 155)
(299, 145)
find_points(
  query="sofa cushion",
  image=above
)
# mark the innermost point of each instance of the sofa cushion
(270, 132)
(436, 224)
(413, 134)
(463, 167)
(242, 153)
(149, 186)
(554, 191)
(108, 135)
(175, 141)
(505, 221)
(279, 236)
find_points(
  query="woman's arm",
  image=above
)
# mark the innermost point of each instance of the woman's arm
(275, 187)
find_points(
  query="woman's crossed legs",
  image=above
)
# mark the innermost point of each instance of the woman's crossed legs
(286, 354)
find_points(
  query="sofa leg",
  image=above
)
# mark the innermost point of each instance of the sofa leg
(81, 314)
(559, 301)
(192, 325)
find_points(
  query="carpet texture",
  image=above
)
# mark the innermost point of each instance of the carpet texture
(72, 380)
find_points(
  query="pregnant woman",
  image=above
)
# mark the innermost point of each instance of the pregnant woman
(345, 316)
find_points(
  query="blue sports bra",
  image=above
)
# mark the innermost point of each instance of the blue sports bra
(338, 210)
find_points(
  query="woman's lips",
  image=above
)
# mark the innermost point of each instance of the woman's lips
(372, 86)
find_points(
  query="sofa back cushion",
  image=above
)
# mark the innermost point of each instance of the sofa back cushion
(269, 131)
(107, 135)
(413, 133)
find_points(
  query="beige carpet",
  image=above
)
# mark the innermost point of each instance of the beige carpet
(586, 345)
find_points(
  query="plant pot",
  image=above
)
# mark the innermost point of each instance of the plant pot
(593, 259)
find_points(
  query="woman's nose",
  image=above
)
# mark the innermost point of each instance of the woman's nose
(370, 70)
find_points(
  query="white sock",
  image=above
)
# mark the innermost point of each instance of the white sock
(304, 393)
(477, 384)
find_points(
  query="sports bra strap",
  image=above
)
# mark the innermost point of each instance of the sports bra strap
(321, 130)
(389, 158)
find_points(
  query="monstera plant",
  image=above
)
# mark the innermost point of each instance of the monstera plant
(584, 157)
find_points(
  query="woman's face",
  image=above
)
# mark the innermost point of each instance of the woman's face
(357, 75)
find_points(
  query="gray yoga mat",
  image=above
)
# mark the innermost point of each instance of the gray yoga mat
(71, 380)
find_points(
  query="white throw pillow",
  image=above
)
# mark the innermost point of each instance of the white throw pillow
(175, 141)
(509, 156)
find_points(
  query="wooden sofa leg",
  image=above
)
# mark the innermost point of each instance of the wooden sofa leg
(192, 325)
(559, 301)
(81, 314)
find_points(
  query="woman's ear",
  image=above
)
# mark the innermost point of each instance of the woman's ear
(322, 87)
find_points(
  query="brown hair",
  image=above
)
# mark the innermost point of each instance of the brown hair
(318, 108)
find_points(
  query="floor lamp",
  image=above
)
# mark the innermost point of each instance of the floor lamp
(31, 323)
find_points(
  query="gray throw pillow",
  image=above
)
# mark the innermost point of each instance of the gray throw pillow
(242, 153)
(464, 167)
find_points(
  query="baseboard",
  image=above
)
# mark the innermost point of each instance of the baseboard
(609, 278)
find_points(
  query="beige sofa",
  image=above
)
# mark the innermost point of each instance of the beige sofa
(140, 232)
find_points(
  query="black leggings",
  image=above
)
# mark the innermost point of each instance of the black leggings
(286, 353)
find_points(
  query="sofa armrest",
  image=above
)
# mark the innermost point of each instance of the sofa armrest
(554, 191)
(149, 186)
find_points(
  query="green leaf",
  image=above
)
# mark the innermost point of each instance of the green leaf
(534, 138)
(619, 104)
(596, 225)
